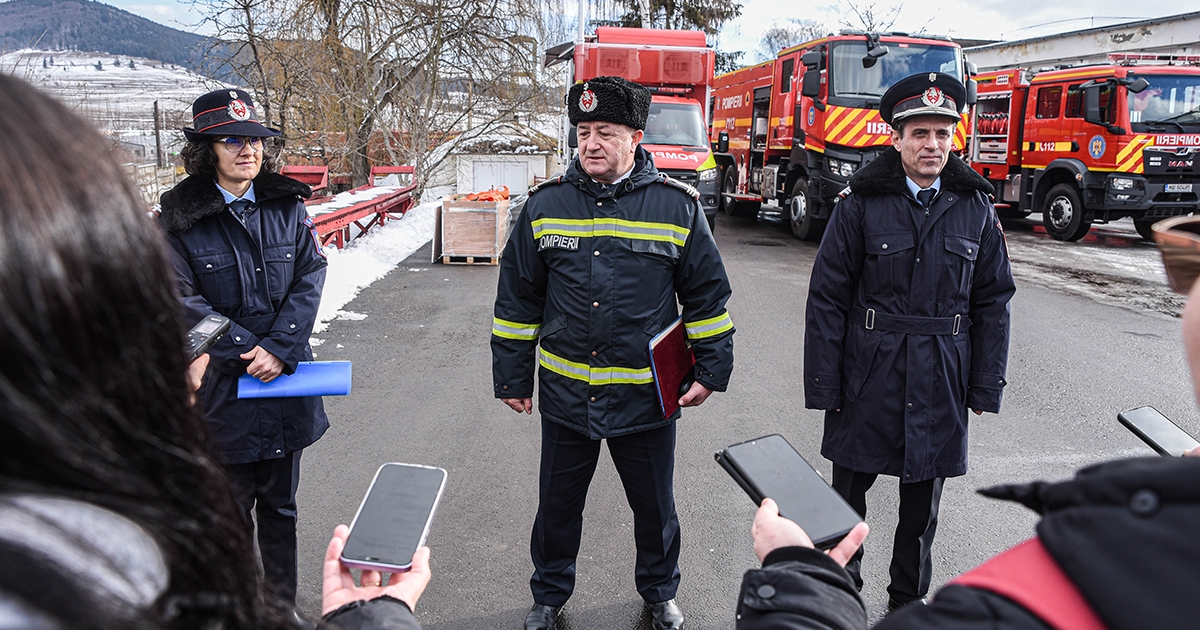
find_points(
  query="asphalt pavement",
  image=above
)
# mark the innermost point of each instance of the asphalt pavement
(422, 394)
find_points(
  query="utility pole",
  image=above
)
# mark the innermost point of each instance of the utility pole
(158, 138)
(644, 10)
(582, 19)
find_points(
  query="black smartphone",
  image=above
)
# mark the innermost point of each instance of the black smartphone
(394, 517)
(770, 467)
(1157, 430)
(204, 334)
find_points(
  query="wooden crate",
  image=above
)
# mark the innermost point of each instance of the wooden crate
(470, 232)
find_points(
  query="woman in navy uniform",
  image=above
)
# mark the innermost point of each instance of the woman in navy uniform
(243, 246)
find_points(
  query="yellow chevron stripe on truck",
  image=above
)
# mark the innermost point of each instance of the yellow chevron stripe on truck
(1129, 158)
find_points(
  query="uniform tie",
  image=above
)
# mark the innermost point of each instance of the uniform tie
(241, 209)
(926, 196)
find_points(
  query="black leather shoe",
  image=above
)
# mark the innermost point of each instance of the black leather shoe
(667, 615)
(541, 617)
(894, 604)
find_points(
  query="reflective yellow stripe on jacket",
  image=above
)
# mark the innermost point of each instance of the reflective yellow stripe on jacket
(594, 375)
(617, 228)
(513, 330)
(708, 327)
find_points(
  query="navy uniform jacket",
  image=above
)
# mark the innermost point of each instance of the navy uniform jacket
(592, 273)
(269, 285)
(885, 302)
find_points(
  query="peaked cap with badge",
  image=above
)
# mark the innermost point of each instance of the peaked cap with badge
(609, 99)
(925, 94)
(226, 112)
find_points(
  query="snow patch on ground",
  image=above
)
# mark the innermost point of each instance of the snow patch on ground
(371, 256)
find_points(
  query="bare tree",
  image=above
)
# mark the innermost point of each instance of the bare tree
(870, 16)
(794, 31)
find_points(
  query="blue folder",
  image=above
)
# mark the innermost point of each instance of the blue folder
(312, 378)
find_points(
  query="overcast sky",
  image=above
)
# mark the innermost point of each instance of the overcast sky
(964, 19)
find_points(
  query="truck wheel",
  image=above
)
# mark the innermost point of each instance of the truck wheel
(1063, 215)
(729, 185)
(1143, 228)
(803, 224)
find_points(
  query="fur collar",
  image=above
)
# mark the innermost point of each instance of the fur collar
(885, 175)
(197, 197)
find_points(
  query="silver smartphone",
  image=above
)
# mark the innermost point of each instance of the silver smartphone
(1155, 429)
(394, 517)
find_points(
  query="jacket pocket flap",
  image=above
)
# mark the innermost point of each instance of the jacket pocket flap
(962, 246)
(213, 263)
(890, 243)
(658, 248)
(279, 253)
(553, 326)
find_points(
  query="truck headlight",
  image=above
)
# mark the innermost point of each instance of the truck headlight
(708, 175)
(842, 168)
(1121, 183)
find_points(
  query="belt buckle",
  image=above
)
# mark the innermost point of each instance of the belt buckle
(957, 320)
(870, 323)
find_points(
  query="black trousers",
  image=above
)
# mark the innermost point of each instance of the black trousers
(912, 563)
(645, 462)
(269, 488)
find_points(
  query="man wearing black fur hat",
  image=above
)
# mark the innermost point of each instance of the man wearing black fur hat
(907, 321)
(594, 268)
(243, 246)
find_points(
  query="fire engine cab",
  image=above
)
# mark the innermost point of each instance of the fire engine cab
(794, 129)
(1092, 143)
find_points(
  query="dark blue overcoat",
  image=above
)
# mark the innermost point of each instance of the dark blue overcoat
(267, 278)
(907, 322)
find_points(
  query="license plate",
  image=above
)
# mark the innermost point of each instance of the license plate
(1179, 188)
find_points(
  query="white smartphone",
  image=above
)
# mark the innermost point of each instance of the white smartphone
(394, 517)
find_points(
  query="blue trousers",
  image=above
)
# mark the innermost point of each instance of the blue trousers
(268, 487)
(645, 462)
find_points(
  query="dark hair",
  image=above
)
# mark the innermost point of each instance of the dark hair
(94, 403)
(200, 159)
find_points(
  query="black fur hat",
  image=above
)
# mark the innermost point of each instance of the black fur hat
(609, 99)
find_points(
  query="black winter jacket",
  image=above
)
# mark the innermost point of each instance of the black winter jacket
(1124, 532)
(267, 277)
(907, 322)
(591, 273)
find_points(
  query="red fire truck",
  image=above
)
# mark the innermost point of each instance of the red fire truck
(794, 129)
(1092, 143)
(677, 67)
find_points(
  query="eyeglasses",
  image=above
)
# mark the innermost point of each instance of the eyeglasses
(1178, 240)
(234, 144)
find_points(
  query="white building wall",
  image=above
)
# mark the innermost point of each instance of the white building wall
(1171, 35)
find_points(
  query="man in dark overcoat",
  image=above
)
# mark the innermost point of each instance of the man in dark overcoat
(599, 262)
(243, 246)
(907, 323)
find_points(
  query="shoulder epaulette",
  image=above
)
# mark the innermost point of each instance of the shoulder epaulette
(545, 183)
(842, 195)
(687, 188)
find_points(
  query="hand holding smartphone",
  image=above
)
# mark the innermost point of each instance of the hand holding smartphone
(394, 518)
(769, 467)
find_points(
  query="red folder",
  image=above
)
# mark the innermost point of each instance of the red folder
(671, 361)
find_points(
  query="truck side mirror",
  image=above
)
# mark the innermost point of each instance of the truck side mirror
(1091, 109)
(811, 59)
(972, 91)
(572, 139)
(723, 142)
(811, 86)
(972, 69)
(1139, 85)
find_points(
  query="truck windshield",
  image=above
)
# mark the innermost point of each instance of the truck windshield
(848, 77)
(1170, 101)
(676, 124)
